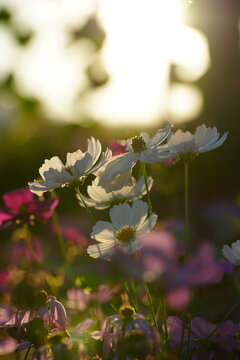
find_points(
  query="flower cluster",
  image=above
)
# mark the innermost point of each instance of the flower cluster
(160, 275)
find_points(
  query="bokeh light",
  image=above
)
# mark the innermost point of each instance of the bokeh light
(143, 39)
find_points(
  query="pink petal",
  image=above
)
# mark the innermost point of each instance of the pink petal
(7, 346)
(16, 198)
(5, 218)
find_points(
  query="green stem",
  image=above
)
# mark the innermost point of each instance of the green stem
(150, 305)
(60, 236)
(86, 207)
(28, 349)
(186, 211)
(147, 189)
(129, 295)
(29, 244)
(135, 295)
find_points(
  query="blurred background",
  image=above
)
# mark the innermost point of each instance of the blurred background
(71, 69)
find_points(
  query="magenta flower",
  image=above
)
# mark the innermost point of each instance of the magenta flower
(118, 147)
(197, 344)
(72, 235)
(24, 207)
(160, 256)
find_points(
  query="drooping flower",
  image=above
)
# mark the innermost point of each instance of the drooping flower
(79, 164)
(139, 148)
(222, 343)
(232, 254)
(23, 207)
(129, 334)
(47, 307)
(128, 225)
(100, 199)
(187, 144)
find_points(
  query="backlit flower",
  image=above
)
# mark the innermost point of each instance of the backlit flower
(129, 334)
(232, 254)
(23, 207)
(139, 148)
(204, 139)
(47, 307)
(128, 225)
(100, 199)
(78, 165)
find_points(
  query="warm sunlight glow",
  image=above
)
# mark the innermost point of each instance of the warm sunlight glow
(141, 43)
(144, 37)
(185, 102)
(190, 53)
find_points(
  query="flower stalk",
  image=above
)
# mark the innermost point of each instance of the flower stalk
(86, 207)
(147, 189)
(186, 209)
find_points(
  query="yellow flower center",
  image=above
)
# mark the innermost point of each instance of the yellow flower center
(125, 234)
(138, 144)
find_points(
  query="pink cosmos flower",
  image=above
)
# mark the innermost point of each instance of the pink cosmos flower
(4, 278)
(78, 298)
(7, 346)
(118, 147)
(160, 257)
(221, 345)
(72, 235)
(24, 207)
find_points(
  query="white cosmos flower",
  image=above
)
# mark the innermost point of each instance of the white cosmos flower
(128, 225)
(141, 148)
(100, 199)
(78, 165)
(204, 139)
(232, 254)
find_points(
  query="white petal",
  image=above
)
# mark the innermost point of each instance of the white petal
(119, 164)
(103, 251)
(215, 145)
(73, 157)
(205, 136)
(39, 187)
(146, 138)
(140, 212)
(94, 149)
(147, 225)
(160, 135)
(230, 255)
(81, 166)
(118, 182)
(99, 166)
(156, 154)
(139, 189)
(103, 231)
(53, 170)
(121, 215)
(97, 193)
